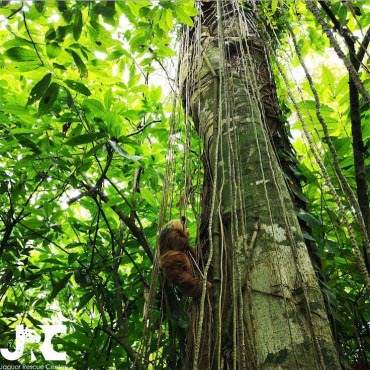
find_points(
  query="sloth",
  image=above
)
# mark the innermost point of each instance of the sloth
(174, 261)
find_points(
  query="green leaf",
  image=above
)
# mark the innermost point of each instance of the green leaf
(84, 300)
(148, 196)
(184, 17)
(108, 99)
(133, 80)
(155, 94)
(165, 51)
(39, 5)
(72, 257)
(136, 5)
(59, 66)
(14, 109)
(84, 139)
(27, 143)
(187, 6)
(48, 98)
(169, 19)
(95, 149)
(99, 35)
(35, 322)
(61, 33)
(50, 34)
(19, 54)
(62, 6)
(301, 196)
(310, 219)
(130, 114)
(105, 11)
(59, 286)
(78, 86)
(328, 79)
(79, 63)
(53, 261)
(274, 4)
(77, 24)
(308, 237)
(342, 86)
(95, 106)
(53, 50)
(117, 54)
(138, 41)
(166, 19)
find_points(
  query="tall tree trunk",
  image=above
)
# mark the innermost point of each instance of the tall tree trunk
(266, 310)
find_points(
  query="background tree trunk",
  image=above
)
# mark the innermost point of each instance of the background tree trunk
(266, 310)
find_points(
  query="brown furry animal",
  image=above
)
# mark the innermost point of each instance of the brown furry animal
(174, 261)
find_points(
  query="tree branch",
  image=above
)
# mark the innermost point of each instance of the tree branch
(359, 154)
(121, 245)
(13, 13)
(335, 45)
(143, 128)
(348, 37)
(355, 115)
(136, 232)
(363, 47)
(29, 35)
(131, 353)
(97, 186)
(337, 26)
(12, 222)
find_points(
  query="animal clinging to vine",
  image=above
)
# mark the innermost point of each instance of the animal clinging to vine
(174, 260)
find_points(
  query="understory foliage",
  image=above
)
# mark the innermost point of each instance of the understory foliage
(89, 133)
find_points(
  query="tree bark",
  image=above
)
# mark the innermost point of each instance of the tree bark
(266, 310)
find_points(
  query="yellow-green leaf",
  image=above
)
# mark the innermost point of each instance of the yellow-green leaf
(148, 196)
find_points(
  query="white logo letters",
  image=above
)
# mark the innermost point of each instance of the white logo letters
(24, 335)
